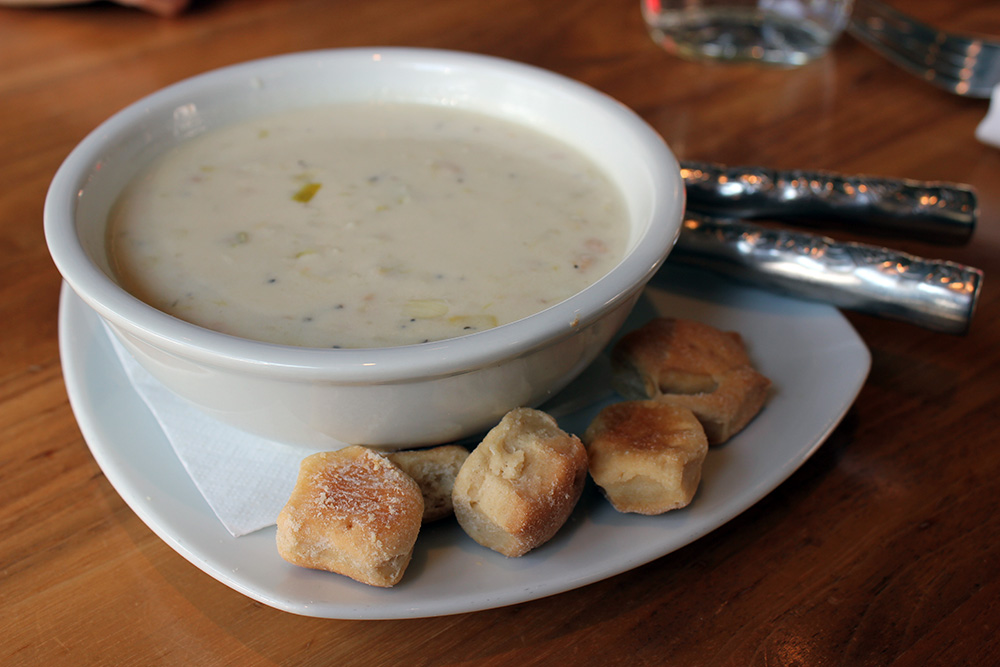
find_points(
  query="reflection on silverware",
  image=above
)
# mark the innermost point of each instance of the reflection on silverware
(962, 64)
(935, 294)
(931, 211)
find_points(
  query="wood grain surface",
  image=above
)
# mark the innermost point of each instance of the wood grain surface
(882, 549)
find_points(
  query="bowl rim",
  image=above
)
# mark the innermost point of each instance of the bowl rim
(451, 356)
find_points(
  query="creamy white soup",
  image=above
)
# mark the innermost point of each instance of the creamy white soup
(365, 226)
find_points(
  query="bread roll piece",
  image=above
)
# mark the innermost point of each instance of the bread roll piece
(434, 470)
(352, 512)
(646, 455)
(518, 487)
(695, 366)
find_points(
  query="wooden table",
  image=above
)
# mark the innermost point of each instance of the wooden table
(882, 549)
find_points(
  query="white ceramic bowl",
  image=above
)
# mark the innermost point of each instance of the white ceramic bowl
(394, 397)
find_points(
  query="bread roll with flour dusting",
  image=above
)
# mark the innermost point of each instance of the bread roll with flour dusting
(646, 456)
(695, 366)
(352, 512)
(434, 470)
(520, 484)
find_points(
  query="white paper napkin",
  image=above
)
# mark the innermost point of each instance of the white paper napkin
(245, 479)
(988, 130)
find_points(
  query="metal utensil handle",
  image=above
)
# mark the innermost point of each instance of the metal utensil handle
(932, 211)
(935, 294)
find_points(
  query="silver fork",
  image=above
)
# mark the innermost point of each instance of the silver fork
(962, 64)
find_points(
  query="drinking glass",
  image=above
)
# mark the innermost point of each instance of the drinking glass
(777, 32)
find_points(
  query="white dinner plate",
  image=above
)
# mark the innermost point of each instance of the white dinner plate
(815, 359)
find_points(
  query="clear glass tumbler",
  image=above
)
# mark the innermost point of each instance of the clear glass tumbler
(778, 32)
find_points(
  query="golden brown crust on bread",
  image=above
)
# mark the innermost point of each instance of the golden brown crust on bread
(434, 470)
(724, 412)
(518, 487)
(695, 366)
(352, 512)
(646, 456)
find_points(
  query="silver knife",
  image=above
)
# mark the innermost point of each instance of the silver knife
(937, 212)
(935, 294)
